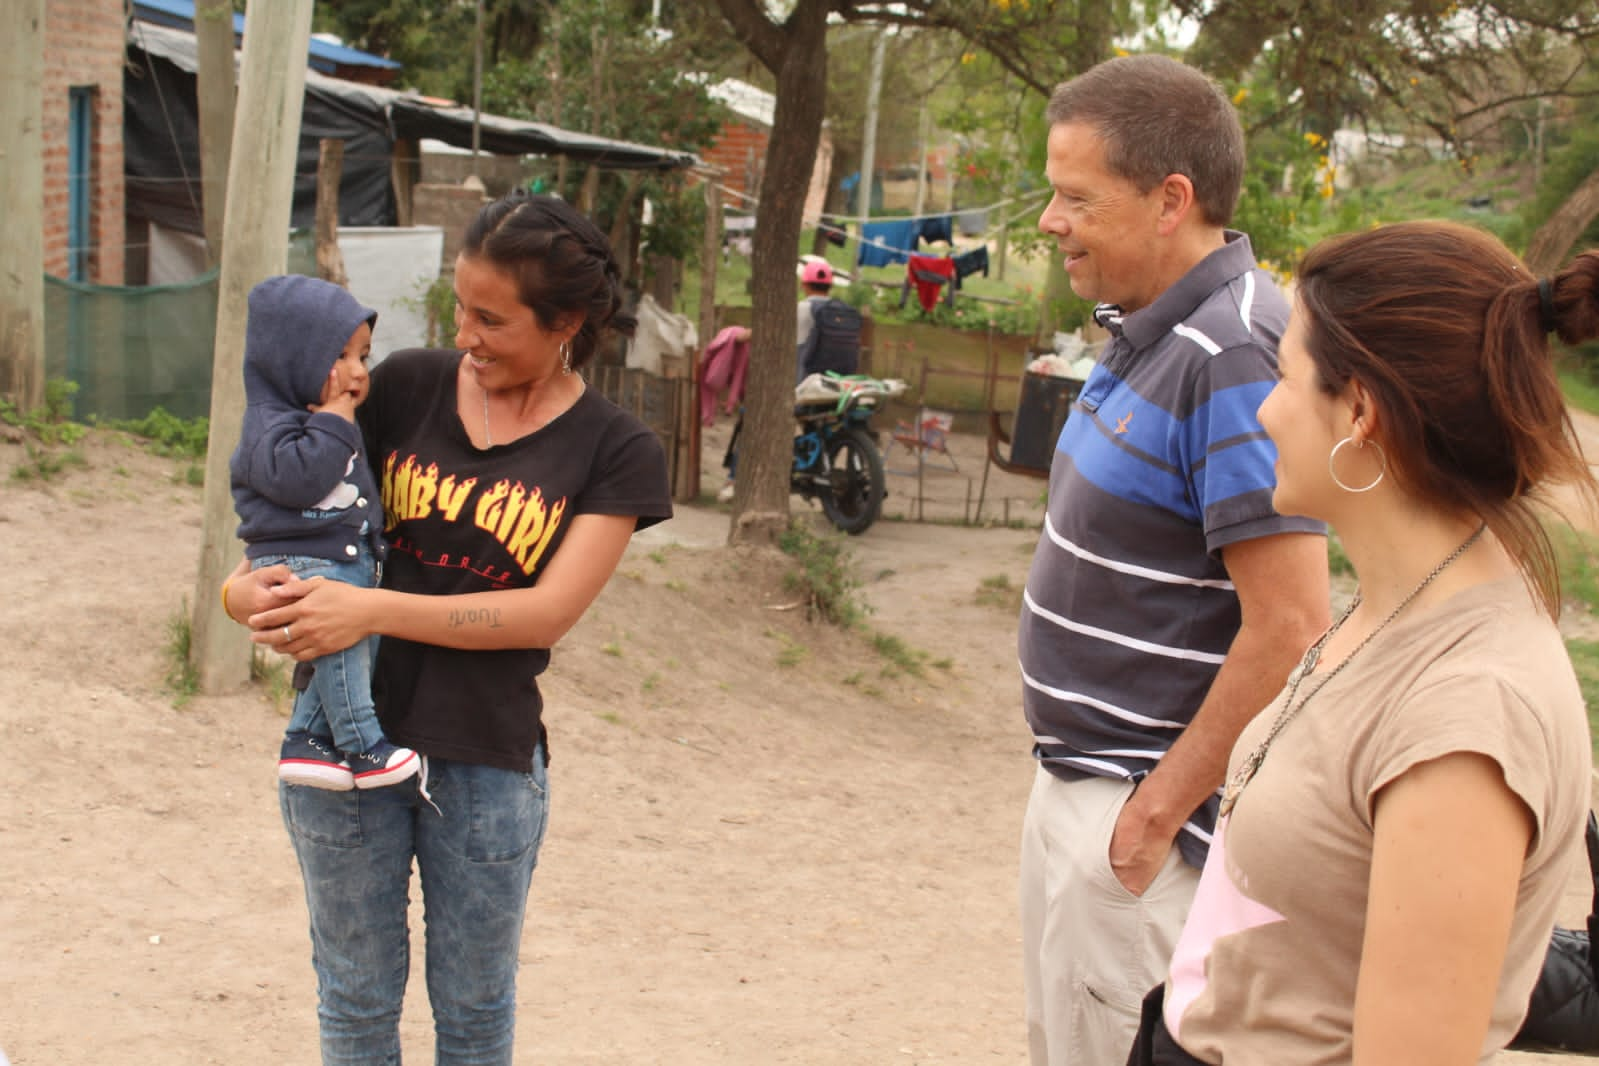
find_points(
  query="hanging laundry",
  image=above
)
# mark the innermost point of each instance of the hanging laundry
(929, 274)
(828, 230)
(936, 228)
(727, 361)
(974, 261)
(886, 243)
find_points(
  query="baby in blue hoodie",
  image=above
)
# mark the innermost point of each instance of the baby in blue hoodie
(306, 499)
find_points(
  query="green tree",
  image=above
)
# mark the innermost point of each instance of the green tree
(598, 68)
(431, 41)
(1562, 215)
(1448, 67)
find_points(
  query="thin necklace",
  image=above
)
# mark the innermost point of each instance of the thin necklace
(1247, 769)
(487, 432)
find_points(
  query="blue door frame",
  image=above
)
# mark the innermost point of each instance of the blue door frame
(80, 145)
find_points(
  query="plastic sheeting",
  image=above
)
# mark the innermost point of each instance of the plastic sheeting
(660, 333)
(161, 137)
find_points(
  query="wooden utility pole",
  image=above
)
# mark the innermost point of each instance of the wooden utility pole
(22, 202)
(255, 245)
(874, 92)
(710, 256)
(213, 31)
(329, 173)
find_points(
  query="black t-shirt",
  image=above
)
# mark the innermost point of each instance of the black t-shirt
(460, 519)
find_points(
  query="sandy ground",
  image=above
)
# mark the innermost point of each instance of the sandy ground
(769, 844)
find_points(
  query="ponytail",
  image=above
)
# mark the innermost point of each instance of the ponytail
(1446, 328)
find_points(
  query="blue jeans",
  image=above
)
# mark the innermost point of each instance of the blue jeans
(338, 702)
(476, 862)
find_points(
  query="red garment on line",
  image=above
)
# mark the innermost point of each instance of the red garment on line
(927, 288)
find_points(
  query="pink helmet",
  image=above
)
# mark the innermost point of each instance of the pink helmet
(817, 272)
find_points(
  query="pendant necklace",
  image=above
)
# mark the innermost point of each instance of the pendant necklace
(1247, 769)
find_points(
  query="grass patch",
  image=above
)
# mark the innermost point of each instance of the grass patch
(1577, 556)
(43, 464)
(182, 679)
(612, 648)
(1581, 392)
(901, 657)
(997, 591)
(791, 653)
(1585, 661)
(276, 674)
(826, 576)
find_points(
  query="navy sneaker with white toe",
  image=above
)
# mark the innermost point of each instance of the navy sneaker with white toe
(313, 762)
(383, 764)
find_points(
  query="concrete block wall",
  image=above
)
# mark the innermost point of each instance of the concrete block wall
(451, 207)
(85, 45)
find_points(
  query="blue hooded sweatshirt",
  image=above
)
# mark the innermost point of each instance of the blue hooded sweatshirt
(301, 485)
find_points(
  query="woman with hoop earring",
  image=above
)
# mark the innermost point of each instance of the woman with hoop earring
(1399, 824)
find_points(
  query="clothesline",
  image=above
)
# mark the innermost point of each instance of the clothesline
(754, 204)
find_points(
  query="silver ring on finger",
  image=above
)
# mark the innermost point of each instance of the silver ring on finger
(286, 636)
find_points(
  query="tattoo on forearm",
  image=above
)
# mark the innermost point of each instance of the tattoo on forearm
(486, 616)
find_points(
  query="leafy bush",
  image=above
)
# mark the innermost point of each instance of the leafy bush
(826, 574)
(50, 422)
(168, 434)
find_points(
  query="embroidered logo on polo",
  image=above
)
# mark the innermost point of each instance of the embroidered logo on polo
(1123, 422)
(517, 517)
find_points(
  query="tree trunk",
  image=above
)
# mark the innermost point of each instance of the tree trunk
(662, 274)
(623, 231)
(766, 446)
(1551, 244)
(329, 172)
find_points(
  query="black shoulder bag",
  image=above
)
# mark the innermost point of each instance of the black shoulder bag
(1563, 1014)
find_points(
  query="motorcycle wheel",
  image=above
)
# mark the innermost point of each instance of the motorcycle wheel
(854, 497)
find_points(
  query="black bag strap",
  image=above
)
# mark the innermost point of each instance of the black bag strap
(1593, 915)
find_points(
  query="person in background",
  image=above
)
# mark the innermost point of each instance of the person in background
(510, 490)
(816, 282)
(1400, 823)
(1167, 598)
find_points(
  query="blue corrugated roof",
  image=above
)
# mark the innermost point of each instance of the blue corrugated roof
(324, 57)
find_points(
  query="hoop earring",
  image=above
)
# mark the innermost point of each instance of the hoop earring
(566, 357)
(1382, 458)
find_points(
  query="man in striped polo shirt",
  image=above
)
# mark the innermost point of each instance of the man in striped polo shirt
(1167, 601)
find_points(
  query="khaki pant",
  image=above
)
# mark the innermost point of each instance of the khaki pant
(1090, 948)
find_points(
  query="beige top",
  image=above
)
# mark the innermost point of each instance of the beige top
(1266, 967)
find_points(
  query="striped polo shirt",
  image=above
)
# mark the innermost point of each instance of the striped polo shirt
(1128, 610)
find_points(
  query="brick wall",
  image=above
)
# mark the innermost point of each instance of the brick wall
(740, 151)
(84, 45)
